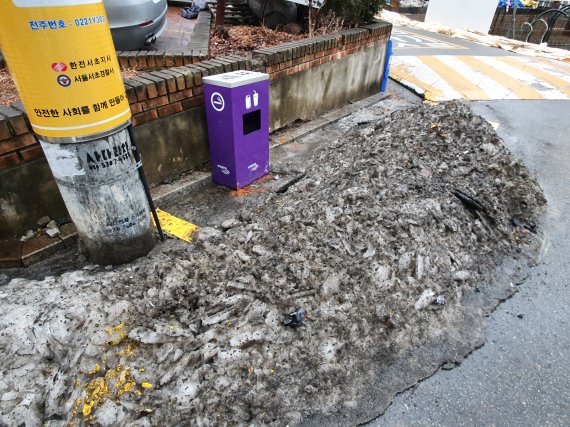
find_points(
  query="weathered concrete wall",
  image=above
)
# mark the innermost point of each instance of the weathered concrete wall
(308, 94)
(169, 146)
(173, 144)
(27, 193)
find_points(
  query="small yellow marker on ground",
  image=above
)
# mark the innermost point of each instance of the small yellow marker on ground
(175, 226)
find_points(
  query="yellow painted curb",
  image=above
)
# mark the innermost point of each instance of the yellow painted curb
(175, 226)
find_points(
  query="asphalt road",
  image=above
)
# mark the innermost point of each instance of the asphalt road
(413, 42)
(521, 376)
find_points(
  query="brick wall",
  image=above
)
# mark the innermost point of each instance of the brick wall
(168, 109)
(295, 57)
(156, 94)
(502, 25)
(149, 60)
(169, 91)
(17, 143)
(152, 95)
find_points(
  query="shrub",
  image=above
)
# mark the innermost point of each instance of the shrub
(352, 12)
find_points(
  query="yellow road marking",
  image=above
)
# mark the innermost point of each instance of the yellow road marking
(176, 226)
(520, 89)
(563, 67)
(456, 80)
(560, 84)
(400, 72)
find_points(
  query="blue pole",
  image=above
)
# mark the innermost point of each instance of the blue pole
(386, 74)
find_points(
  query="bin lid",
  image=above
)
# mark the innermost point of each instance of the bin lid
(236, 78)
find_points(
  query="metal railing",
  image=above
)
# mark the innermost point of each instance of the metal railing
(547, 20)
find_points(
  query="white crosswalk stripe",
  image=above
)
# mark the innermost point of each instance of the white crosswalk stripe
(547, 90)
(447, 77)
(493, 89)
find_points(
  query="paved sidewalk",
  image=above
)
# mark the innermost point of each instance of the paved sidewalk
(178, 32)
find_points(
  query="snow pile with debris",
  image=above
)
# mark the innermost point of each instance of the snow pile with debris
(379, 243)
(524, 48)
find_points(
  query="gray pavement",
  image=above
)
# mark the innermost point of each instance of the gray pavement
(414, 42)
(521, 376)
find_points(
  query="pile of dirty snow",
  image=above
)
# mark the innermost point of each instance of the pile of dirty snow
(392, 226)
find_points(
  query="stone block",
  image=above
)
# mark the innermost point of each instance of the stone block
(31, 153)
(9, 159)
(16, 120)
(11, 253)
(158, 82)
(4, 129)
(68, 234)
(178, 77)
(168, 78)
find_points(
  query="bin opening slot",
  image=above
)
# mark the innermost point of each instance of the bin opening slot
(251, 122)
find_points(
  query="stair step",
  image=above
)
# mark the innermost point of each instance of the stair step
(236, 12)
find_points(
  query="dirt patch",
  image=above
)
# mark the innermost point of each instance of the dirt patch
(244, 38)
(8, 91)
(423, 203)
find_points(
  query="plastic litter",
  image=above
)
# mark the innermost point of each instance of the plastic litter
(530, 225)
(469, 201)
(440, 300)
(294, 181)
(191, 12)
(296, 318)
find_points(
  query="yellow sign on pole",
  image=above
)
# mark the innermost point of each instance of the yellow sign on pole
(61, 56)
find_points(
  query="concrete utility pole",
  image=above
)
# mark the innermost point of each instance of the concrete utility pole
(62, 58)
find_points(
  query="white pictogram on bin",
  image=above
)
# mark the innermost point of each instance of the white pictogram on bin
(217, 101)
(224, 170)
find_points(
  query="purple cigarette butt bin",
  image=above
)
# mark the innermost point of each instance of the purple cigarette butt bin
(237, 111)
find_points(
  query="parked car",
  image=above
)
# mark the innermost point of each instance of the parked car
(135, 23)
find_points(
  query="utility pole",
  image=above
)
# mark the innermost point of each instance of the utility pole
(62, 58)
(515, 20)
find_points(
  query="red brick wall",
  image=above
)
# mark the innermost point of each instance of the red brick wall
(294, 57)
(156, 59)
(156, 94)
(503, 23)
(152, 95)
(17, 143)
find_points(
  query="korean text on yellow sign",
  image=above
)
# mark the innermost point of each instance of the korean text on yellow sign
(61, 56)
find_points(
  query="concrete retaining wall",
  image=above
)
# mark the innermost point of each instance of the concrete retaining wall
(308, 78)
